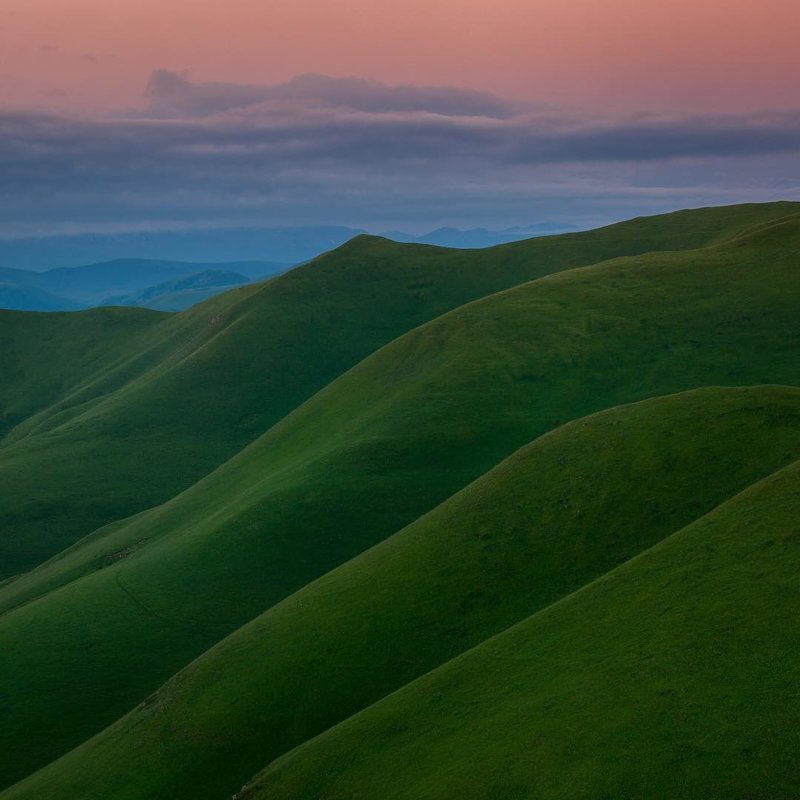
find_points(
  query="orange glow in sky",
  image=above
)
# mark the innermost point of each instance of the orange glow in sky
(648, 55)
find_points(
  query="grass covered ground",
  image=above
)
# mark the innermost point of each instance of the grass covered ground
(555, 516)
(385, 443)
(109, 412)
(357, 397)
(674, 676)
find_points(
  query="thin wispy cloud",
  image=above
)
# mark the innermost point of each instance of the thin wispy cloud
(172, 94)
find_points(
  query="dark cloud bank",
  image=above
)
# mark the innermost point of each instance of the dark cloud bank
(352, 151)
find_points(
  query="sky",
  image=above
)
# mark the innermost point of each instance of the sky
(124, 114)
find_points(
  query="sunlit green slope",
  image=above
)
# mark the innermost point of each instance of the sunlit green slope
(380, 446)
(553, 517)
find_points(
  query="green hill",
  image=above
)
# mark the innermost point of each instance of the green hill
(193, 389)
(555, 516)
(47, 358)
(380, 446)
(674, 676)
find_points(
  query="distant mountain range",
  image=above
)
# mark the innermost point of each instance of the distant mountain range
(478, 237)
(285, 245)
(90, 273)
(17, 296)
(181, 293)
(164, 285)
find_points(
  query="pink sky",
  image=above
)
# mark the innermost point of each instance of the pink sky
(648, 55)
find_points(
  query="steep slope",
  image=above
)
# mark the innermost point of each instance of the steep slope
(47, 357)
(56, 368)
(383, 444)
(213, 379)
(553, 517)
(235, 366)
(675, 676)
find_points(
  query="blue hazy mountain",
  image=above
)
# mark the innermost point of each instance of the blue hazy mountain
(70, 288)
(286, 245)
(479, 237)
(181, 293)
(19, 297)
(139, 268)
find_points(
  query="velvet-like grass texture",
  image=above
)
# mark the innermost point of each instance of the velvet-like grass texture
(108, 412)
(98, 628)
(674, 676)
(555, 516)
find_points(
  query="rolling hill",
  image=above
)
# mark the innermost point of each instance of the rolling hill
(530, 532)
(337, 514)
(193, 389)
(673, 676)
(383, 444)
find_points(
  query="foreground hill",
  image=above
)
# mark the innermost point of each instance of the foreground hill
(191, 390)
(555, 516)
(380, 446)
(674, 676)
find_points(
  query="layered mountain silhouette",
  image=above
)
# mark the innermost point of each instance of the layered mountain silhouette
(165, 285)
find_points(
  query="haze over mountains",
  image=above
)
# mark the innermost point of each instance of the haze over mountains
(414, 522)
(144, 278)
(125, 281)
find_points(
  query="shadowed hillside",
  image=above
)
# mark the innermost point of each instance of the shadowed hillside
(380, 446)
(672, 676)
(553, 517)
(195, 388)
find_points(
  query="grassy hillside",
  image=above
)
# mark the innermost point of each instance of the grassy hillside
(59, 480)
(229, 370)
(45, 358)
(377, 448)
(202, 385)
(675, 676)
(553, 517)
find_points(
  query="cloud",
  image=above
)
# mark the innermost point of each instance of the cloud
(318, 150)
(173, 94)
(697, 137)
